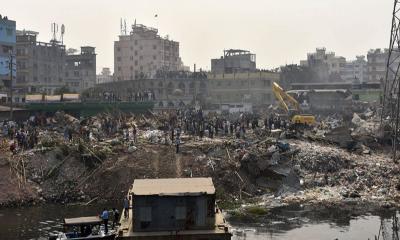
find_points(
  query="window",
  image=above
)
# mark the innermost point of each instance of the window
(135, 42)
(76, 73)
(154, 47)
(154, 57)
(131, 58)
(118, 49)
(136, 63)
(119, 68)
(118, 59)
(131, 68)
(141, 57)
(131, 48)
(136, 53)
(9, 31)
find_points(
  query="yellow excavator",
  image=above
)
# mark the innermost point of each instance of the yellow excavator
(292, 107)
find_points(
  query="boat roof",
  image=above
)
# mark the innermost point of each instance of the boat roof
(173, 187)
(82, 221)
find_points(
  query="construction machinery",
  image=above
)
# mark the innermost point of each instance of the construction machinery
(292, 107)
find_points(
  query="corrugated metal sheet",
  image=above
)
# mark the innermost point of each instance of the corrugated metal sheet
(54, 98)
(70, 96)
(33, 98)
(173, 187)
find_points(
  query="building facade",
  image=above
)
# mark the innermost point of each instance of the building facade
(356, 71)
(250, 87)
(377, 60)
(80, 69)
(234, 61)
(326, 65)
(40, 65)
(172, 90)
(104, 77)
(7, 47)
(45, 67)
(143, 53)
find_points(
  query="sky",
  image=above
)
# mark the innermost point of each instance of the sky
(279, 32)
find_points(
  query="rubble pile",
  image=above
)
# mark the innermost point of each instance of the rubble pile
(98, 157)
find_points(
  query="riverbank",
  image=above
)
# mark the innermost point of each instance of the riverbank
(265, 168)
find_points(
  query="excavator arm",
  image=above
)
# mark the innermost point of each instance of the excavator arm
(287, 102)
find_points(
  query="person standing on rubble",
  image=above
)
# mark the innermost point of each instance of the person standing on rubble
(178, 142)
(134, 131)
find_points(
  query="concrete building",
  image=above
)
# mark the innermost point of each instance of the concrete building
(326, 100)
(80, 69)
(356, 71)
(7, 47)
(251, 87)
(45, 67)
(377, 61)
(40, 65)
(175, 208)
(172, 90)
(326, 65)
(143, 53)
(104, 77)
(234, 61)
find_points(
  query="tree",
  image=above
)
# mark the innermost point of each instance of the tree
(62, 90)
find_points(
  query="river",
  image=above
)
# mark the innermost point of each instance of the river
(37, 222)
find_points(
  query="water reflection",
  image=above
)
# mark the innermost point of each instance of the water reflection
(300, 223)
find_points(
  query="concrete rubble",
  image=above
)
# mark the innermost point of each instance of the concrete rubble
(333, 162)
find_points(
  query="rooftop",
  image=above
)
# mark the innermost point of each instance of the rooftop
(94, 220)
(173, 187)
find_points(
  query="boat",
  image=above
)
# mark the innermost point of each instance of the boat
(82, 228)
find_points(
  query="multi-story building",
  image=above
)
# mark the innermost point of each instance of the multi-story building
(7, 47)
(143, 53)
(234, 61)
(45, 67)
(104, 77)
(377, 61)
(251, 87)
(356, 71)
(80, 69)
(40, 65)
(326, 65)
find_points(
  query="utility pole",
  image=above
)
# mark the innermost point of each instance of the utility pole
(11, 65)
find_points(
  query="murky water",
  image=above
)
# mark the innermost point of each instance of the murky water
(284, 224)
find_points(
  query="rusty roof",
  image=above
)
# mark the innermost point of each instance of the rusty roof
(173, 187)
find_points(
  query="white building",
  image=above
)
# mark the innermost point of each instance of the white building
(143, 53)
(356, 71)
(326, 65)
(104, 77)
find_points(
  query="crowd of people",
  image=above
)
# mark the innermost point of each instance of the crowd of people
(196, 123)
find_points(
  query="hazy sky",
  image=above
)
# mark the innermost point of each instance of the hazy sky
(278, 31)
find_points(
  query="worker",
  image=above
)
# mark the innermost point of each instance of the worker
(126, 207)
(178, 142)
(116, 217)
(104, 216)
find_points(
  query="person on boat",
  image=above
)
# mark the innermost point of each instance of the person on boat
(126, 207)
(116, 217)
(104, 216)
